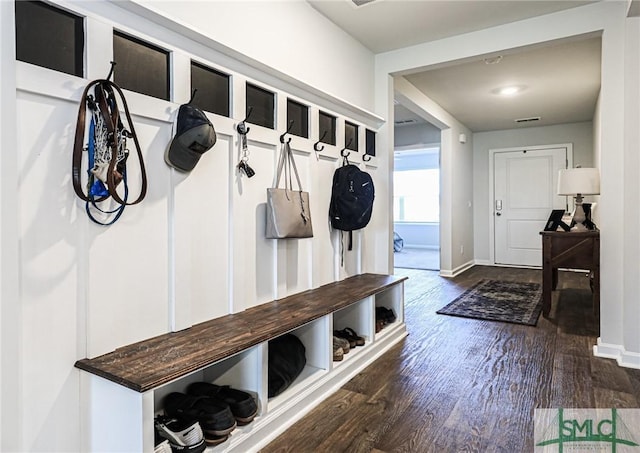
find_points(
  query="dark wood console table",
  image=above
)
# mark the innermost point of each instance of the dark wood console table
(569, 250)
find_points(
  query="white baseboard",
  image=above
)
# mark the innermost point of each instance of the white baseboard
(624, 358)
(460, 269)
(421, 247)
(489, 263)
(457, 271)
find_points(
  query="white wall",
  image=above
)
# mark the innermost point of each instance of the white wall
(579, 134)
(613, 243)
(289, 36)
(631, 263)
(10, 313)
(417, 234)
(194, 249)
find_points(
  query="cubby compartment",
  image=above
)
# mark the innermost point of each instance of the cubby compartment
(313, 336)
(389, 309)
(240, 371)
(358, 318)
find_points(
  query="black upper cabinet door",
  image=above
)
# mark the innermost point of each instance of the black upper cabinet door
(370, 145)
(213, 89)
(350, 136)
(260, 106)
(327, 128)
(140, 66)
(49, 37)
(299, 114)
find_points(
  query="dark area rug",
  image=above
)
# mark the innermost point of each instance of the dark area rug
(494, 300)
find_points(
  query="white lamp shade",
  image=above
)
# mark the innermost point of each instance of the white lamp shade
(584, 181)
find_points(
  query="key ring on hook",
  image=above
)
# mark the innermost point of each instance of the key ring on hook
(242, 126)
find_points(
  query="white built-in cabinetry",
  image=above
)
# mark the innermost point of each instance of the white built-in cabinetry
(124, 390)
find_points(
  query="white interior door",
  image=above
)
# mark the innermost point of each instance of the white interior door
(525, 185)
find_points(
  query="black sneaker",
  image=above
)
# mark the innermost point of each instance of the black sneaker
(214, 416)
(386, 315)
(243, 406)
(184, 436)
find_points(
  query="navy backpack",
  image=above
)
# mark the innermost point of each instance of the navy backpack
(352, 197)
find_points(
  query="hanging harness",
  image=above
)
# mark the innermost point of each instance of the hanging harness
(107, 153)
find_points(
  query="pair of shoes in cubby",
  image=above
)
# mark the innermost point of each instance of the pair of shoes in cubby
(217, 409)
(213, 418)
(243, 406)
(340, 348)
(351, 336)
(384, 316)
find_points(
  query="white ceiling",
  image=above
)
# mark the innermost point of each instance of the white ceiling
(560, 84)
(561, 80)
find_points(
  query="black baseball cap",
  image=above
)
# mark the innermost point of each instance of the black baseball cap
(195, 135)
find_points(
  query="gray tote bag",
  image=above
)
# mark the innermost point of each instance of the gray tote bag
(288, 212)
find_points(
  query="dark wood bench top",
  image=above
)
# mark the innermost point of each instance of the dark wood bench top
(150, 363)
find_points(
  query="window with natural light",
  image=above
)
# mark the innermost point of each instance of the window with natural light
(416, 195)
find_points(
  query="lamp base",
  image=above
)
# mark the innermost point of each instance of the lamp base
(579, 217)
(578, 228)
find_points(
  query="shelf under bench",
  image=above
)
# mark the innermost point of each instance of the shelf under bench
(151, 363)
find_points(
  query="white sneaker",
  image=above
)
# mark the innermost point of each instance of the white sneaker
(183, 435)
(163, 447)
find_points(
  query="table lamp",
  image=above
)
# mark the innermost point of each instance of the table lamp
(578, 182)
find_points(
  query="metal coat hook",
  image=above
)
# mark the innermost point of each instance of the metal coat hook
(288, 129)
(113, 65)
(366, 157)
(193, 95)
(242, 125)
(316, 145)
(342, 153)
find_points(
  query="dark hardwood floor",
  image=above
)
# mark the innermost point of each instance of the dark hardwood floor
(464, 385)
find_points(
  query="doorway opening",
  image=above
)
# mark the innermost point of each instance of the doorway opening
(416, 192)
(416, 208)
